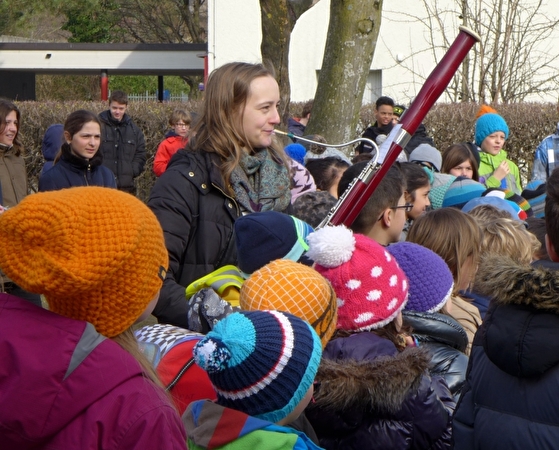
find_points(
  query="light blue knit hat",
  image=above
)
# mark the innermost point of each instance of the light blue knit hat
(489, 122)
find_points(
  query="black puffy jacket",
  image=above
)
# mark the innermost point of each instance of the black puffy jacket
(124, 149)
(197, 218)
(509, 400)
(446, 341)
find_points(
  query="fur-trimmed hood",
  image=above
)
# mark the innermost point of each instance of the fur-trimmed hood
(507, 282)
(382, 383)
(520, 333)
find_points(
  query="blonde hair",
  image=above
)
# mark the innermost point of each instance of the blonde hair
(452, 234)
(219, 128)
(509, 237)
(484, 214)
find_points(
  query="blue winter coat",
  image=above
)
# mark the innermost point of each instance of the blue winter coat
(72, 171)
(370, 396)
(509, 400)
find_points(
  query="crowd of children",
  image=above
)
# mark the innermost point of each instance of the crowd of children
(428, 323)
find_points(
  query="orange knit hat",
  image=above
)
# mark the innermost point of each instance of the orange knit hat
(97, 254)
(284, 285)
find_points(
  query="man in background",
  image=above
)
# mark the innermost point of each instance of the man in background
(122, 144)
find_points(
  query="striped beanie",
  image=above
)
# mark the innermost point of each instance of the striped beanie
(440, 184)
(461, 191)
(261, 363)
(430, 280)
(371, 288)
(489, 122)
(535, 194)
(262, 237)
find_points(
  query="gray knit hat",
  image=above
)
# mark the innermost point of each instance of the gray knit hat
(427, 153)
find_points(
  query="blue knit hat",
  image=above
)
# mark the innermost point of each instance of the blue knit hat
(461, 191)
(263, 237)
(430, 280)
(489, 122)
(261, 363)
(505, 205)
(296, 152)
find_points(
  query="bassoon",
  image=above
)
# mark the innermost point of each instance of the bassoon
(361, 188)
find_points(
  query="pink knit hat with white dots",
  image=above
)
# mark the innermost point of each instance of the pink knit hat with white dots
(370, 286)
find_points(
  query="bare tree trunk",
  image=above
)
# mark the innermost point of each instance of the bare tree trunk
(278, 20)
(350, 45)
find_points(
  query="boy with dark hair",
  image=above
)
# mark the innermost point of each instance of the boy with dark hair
(122, 144)
(384, 113)
(384, 215)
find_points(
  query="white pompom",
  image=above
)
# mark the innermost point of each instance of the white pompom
(331, 246)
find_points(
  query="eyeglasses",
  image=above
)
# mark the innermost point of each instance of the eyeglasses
(182, 125)
(407, 207)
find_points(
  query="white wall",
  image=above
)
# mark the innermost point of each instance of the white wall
(403, 51)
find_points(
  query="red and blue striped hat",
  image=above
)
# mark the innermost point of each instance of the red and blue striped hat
(260, 362)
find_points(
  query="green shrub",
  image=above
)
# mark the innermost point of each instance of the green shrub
(529, 123)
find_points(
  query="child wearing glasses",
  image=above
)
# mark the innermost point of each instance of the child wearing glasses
(175, 139)
(384, 215)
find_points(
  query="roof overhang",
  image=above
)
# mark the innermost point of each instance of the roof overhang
(91, 59)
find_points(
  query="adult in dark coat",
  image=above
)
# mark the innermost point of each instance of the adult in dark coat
(508, 400)
(231, 167)
(122, 143)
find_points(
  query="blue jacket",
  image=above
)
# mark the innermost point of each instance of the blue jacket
(508, 400)
(72, 171)
(541, 167)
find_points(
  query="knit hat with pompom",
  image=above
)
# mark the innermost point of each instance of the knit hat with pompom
(261, 363)
(431, 281)
(489, 122)
(371, 288)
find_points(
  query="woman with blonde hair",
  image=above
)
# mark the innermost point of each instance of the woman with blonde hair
(231, 167)
(456, 237)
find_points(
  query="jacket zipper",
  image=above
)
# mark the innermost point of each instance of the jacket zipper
(87, 174)
(229, 197)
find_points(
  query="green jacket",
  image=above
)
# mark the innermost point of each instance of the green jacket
(488, 164)
(211, 426)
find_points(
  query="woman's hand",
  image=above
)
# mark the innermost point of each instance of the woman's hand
(502, 171)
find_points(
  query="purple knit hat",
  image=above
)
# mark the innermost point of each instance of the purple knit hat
(430, 280)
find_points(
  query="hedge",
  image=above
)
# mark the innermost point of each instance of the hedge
(446, 123)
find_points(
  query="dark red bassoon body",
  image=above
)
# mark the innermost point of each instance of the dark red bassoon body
(360, 190)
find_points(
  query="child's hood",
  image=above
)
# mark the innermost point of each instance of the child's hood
(209, 425)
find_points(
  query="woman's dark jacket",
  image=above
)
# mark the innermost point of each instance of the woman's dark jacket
(509, 400)
(446, 341)
(197, 218)
(370, 396)
(72, 171)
